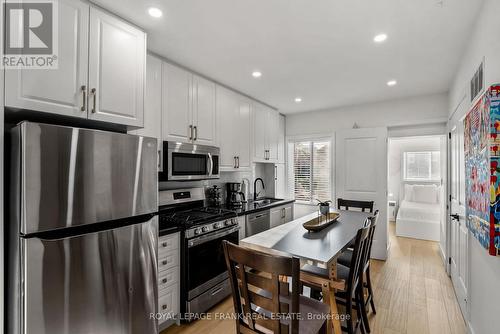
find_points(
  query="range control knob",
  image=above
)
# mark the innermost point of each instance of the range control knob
(216, 225)
(227, 222)
(197, 231)
(204, 228)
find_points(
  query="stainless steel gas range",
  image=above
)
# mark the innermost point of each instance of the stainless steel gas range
(204, 278)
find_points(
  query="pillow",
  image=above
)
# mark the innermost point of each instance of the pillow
(425, 193)
(409, 192)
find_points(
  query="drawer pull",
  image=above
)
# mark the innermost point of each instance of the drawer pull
(164, 307)
(164, 280)
(164, 262)
(164, 244)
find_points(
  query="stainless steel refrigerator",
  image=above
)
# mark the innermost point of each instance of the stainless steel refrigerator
(82, 245)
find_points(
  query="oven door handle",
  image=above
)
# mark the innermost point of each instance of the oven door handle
(210, 164)
(204, 238)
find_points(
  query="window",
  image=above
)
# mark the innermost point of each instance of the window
(422, 166)
(311, 170)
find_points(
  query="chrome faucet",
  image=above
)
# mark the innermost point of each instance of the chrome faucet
(255, 193)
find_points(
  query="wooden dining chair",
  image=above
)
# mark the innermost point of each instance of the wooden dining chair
(346, 258)
(352, 294)
(263, 300)
(347, 204)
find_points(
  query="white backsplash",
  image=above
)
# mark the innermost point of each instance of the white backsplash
(264, 171)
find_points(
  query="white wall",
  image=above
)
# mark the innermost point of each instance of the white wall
(421, 115)
(484, 280)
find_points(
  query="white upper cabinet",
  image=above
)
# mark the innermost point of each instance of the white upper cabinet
(281, 139)
(117, 53)
(272, 135)
(233, 120)
(266, 130)
(227, 110)
(177, 116)
(152, 106)
(203, 111)
(243, 134)
(60, 91)
(188, 107)
(100, 74)
(260, 129)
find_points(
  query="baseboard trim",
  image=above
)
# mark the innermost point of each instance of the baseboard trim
(470, 330)
(443, 257)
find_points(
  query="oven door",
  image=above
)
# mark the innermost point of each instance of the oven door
(205, 261)
(186, 161)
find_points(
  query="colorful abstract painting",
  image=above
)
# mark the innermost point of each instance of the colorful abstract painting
(482, 170)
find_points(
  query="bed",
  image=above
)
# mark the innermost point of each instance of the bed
(420, 213)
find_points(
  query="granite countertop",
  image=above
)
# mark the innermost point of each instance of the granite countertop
(251, 207)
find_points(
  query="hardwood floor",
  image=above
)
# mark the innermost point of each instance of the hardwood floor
(413, 294)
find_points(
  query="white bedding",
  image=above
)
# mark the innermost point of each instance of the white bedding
(419, 211)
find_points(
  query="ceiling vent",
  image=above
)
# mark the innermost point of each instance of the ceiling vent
(477, 82)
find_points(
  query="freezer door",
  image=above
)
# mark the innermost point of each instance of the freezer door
(104, 282)
(70, 176)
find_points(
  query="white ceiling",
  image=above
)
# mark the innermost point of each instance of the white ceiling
(320, 50)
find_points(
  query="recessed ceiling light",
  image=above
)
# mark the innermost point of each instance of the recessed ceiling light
(391, 83)
(256, 74)
(155, 12)
(380, 38)
(298, 99)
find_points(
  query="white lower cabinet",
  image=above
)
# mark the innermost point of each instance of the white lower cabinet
(281, 214)
(168, 279)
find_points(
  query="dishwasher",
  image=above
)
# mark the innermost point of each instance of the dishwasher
(258, 222)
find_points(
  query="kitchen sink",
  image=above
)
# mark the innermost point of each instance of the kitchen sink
(265, 201)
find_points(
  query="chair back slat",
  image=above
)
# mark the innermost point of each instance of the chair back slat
(357, 256)
(371, 234)
(346, 204)
(259, 293)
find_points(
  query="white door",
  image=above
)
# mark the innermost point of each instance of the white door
(243, 134)
(61, 91)
(117, 64)
(203, 111)
(276, 217)
(227, 109)
(361, 174)
(152, 105)
(260, 129)
(177, 115)
(458, 244)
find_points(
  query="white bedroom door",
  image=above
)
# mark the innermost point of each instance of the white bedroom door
(458, 235)
(361, 174)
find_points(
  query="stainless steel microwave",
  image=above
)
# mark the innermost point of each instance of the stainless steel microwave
(185, 162)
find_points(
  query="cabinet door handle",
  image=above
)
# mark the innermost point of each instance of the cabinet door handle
(164, 280)
(84, 98)
(165, 244)
(195, 131)
(234, 161)
(238, 161)
(190, 132)
(93, 91)
(159, 159)
(164, 262)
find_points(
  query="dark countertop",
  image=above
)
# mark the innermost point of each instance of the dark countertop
(249, 207)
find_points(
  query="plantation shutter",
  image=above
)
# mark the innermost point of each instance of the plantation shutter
(302, 171)
(321, 171)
